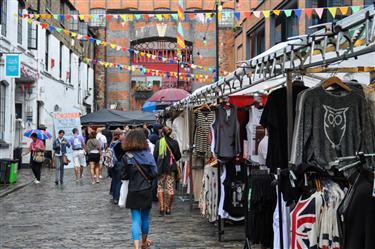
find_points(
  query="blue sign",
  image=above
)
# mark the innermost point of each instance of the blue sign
(12, 65)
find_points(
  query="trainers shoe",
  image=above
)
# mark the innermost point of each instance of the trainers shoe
(100, 177)
(56, 183)
(36, 181)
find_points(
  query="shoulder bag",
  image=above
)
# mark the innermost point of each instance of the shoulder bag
(38, 156)
(178, 174)
(139, 168)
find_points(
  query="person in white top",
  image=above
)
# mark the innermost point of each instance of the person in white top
(103, 145)
(262, 150)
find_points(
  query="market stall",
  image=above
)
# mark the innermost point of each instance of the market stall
(116, 118)
(269, 142)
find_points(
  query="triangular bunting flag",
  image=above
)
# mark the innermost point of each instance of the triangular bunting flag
(266, 13)
(191, 16)
(319, 12)
(104, 43)
(59, 30)
(288, 13)
(256, 14)
(138, 16)
(174, 17)
(276, 12)
(42, 16)
(113, 46)
(30, 21)
(108, 17)
(130, 17)
(344, 10)
(332, 11)
(98, 42)
(81, 17)
(237, 15)
(56, 17)
(148, 55)
(75, 17)
(159, 17)
(51, 28)
(61, 17)
(123, 17)
(73, 34)
(355, 9)
(91, 40)
(308, 12)
(247, 15)
(118, 48)
(297, 12)
(36, 16)
(79, 36)
(166, 17)
(67, 17)
(66, 32)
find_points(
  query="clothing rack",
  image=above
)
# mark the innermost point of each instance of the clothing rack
(298, 55)
(360, 157)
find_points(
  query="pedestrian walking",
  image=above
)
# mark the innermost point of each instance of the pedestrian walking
(94, 156)
(156, 133)
(150, 145)
(36, 149)
(116, 171)
(167, 153)
(103, 146)
(59, 147)
(78, 145)
(139, 168)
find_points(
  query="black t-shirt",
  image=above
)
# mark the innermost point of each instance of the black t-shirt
(275, 119)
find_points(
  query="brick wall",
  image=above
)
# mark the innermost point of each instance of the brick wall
(117, 83)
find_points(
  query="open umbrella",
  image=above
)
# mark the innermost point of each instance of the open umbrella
(168, 95)
(42, 135)
(154, 106)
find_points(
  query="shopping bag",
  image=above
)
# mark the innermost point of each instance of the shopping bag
(123, 193)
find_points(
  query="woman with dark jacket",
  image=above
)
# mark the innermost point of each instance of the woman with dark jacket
(166, 153)
(140, 169)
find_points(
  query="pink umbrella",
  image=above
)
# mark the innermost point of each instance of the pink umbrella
(168, 95)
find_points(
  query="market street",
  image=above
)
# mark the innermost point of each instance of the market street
(80, 215)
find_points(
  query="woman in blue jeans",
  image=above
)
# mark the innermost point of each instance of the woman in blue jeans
(140, 169)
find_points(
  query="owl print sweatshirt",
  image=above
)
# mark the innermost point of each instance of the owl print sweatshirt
(330, 124)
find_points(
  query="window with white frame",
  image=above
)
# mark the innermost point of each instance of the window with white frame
(2, 109)
(32, 35)
(227, 18)
(98, 18)
(83, 29)
(21, 6)
(73, 25)
(60, 61)
(3, 17)
(46, 55)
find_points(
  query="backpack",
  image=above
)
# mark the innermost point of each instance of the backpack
(110, 156)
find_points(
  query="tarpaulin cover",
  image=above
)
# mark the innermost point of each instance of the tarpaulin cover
(116, 117)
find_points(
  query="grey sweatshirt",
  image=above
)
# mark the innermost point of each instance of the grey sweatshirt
(330, 126)
(227, 133)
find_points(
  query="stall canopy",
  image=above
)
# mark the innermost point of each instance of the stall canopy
(116, 117)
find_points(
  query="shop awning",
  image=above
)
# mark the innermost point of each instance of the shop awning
(116, 117)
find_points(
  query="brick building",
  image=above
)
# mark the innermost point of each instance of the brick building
(126, 90)
(256, 35)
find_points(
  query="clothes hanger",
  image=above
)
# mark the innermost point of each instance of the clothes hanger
(204, 106)
(335, 81)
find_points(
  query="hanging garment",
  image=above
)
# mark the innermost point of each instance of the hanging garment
(285, 212)
(330, 124)
(231, 192)
(227, 132)
(305, 222)
(274, 118)
(255, 133)
(356, 215)
(209, 196)
(262, 207)
(203, 122)
(262, 150)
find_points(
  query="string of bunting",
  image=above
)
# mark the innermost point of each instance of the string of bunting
(142, 70)
(129, 51)
(203, 17)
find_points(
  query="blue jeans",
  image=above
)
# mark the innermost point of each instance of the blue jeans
(140, 222)
(116, 187)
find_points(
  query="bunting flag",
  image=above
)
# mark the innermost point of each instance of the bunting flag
(355, 8)
(180, 11)
(298, 12)
(256, 14)
(276, 12)
(308, 12)
(288, 13)
(332, 11)
(266, 13)
(180, 37)
(344, 10)
(237, 15)
(319, 12)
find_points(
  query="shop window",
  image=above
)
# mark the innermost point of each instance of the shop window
(2, 109)
(98, 19)
(32, 35)
(227, 18)
(73, 23)
(256, 42)
(19, 113)
(3, 17)
(21, 6)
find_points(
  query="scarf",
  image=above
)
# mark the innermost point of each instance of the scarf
(162, 147)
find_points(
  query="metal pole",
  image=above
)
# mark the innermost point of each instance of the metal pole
(217, 40)
(178, 72)
(290, 118)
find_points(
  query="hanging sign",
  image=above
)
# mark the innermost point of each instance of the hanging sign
(12, 66)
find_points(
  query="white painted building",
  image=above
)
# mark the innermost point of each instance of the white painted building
(53, 79)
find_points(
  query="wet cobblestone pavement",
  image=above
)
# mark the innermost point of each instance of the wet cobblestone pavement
(81, 215)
